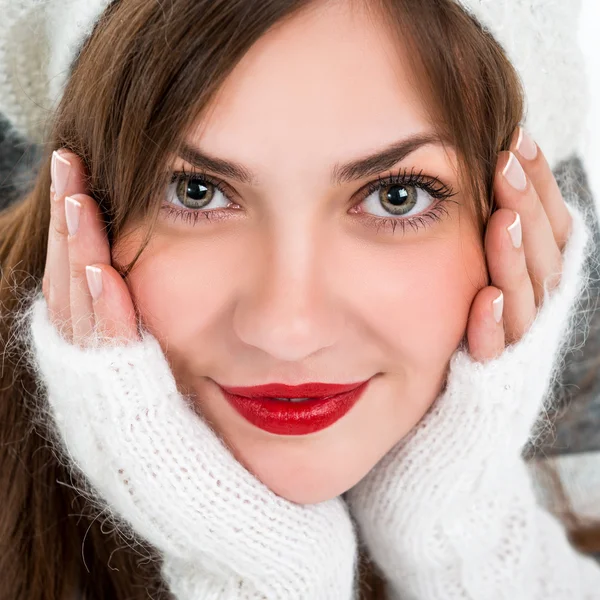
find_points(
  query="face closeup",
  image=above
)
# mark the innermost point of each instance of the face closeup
(309, 271)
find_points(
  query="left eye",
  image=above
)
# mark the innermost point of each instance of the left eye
(398, 200)
(194, 193)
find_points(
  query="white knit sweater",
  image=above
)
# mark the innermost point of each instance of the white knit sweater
(449, 513)
(427, 549)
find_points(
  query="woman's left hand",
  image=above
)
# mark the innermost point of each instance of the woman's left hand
(524, 241)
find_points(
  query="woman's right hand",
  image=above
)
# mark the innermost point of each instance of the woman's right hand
(78, 263)
(154, 463)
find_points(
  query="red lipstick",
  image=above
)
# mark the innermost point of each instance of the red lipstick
(326, 403)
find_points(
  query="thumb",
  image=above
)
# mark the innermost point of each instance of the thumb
(485, 328)
(113, 307)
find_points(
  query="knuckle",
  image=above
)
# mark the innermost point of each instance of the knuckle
(514, 278)
(521, 278)
(77, 273)
(532, 208)
(59, 228)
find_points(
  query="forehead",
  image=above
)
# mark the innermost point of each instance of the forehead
(327, 85)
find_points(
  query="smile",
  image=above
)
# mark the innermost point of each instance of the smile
(294, 410)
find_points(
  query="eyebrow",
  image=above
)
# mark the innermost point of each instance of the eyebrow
(352, 171)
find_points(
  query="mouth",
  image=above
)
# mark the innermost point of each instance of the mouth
(294, 410)
(306, 391)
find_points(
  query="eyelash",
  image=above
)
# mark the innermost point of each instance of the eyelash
(432, 185)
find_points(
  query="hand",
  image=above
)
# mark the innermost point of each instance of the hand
(83, 255)
(157, 464)
(537, 221)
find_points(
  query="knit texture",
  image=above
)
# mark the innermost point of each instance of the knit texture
(166, 476)
(40, 38)
(451, 511)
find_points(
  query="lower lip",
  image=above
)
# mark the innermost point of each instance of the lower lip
(295, 418)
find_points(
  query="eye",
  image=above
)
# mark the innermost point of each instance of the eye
(404, 200)
(399, 200)
(194, 192)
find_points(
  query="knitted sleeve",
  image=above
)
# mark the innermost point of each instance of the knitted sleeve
(451, 511)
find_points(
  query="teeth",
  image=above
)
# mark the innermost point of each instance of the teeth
(292, 399)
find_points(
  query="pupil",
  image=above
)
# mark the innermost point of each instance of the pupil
(195, 190)
(399, 197)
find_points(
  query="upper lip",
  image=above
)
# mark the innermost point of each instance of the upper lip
(306, 390)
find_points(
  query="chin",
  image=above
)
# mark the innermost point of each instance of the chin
(305, 486)
(308, 471)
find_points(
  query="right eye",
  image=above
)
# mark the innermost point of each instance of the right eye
(194, 192)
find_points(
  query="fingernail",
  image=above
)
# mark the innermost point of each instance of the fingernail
(516, 232)
(498, 306)
(514, 174)
(94, 279)
(526, 147)
(61, 169)
(72, 211)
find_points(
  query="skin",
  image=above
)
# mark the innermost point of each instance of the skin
(296, 286)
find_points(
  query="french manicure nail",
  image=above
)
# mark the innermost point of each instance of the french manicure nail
(498, 305)
(516, 232)
(514, 174)
(61, 169)
(72, 212)
(94, 279)
(526, 147)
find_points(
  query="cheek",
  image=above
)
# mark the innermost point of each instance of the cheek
(435, 290)
(180, 298)
(419, 297)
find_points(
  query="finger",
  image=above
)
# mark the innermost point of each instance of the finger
(88, 244)
(56, 281)
(508, 271)
(485, 331)
(538, 171)
(516, 192)
(67, 178)
(114, 313)
(69, 174)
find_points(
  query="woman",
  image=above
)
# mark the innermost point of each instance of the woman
(288, 193)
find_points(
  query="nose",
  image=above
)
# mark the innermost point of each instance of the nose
(287, 307)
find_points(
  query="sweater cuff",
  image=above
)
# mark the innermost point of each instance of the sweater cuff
(496, 404)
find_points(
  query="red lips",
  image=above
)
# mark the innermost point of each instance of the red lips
(306, 390)
(327, 404)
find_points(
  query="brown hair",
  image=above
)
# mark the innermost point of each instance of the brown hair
(127, 105)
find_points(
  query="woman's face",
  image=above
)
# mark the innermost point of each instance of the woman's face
(299, 283)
